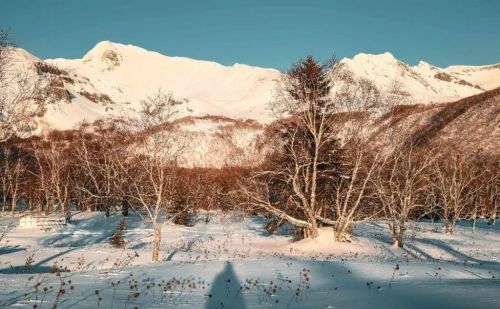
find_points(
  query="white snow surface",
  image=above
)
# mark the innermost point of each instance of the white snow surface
(231, 262)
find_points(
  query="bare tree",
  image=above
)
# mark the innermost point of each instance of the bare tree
(157, 109)
(304, 158)
(357, 102)
(316, 172)
(353, 196)
(490, 192)
(21, 89)
(53, 173)
(401, 184)
(454, 184)
(96, 156)
(11, 177)
(149, 170)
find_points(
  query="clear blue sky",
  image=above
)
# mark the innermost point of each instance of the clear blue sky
(269, 33)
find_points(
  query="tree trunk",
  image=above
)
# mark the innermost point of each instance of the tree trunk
(397, 233)
(400, 237)
(156, 243)
(493, 218)
(392, 228)
(13, 203)
(124, 207)
(341, 231)
(447, 226)
(67, 213)
(452, 225)
(313, 230)
(4, 201)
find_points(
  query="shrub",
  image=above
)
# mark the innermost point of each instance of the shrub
(117, 238)
(43, 67)
(97, 98)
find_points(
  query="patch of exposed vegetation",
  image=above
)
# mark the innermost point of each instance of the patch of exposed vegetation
(46, 68)
(443, 76)
(97, 98)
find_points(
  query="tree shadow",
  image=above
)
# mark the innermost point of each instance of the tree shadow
(225, 290)
(457, 254)
(83, 232)
(11, 249)
(37, 268)
(184, 247)
(354, 292)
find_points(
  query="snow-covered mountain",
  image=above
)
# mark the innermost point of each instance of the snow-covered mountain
(128, 74)
(423, 83)
(112, 79)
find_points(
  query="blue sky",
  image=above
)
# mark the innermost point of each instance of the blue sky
(268, 33)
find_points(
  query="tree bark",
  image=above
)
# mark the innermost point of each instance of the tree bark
(156, 243)
(124, 207)
(313, 230)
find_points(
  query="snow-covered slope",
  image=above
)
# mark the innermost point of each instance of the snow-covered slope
(129, 74)
(69, 98)
(423, 83)
(487, 77)
(218, 141)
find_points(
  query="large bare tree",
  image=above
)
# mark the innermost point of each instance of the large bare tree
(316, 171)
(304, 157)
(455, 176)
(401, 185)
(149, 170)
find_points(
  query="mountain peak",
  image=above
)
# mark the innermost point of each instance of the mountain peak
(105, 55)
(380, 58)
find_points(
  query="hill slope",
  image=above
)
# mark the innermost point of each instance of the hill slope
(468, 125)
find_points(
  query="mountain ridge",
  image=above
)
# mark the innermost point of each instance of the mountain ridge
(122, 75)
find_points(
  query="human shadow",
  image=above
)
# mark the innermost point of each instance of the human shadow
(225, 291)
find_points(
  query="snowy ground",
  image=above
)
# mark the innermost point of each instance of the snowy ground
(232, 263)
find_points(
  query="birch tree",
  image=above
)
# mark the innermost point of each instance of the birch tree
(54, 175)
(11, 177)
(454, 185)
(149, 170)
(302, 180)
(304, 155)
(21, 92)
(401, 184)
(96, 156)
